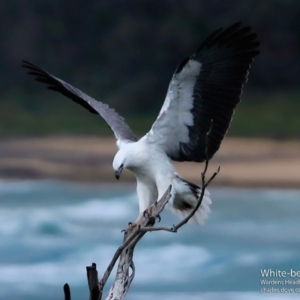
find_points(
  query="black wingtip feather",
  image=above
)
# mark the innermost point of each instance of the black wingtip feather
(225, 58)
(56, 85)
(181, 65)
(207, 41)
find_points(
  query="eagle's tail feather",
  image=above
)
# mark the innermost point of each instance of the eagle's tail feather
(182, 205)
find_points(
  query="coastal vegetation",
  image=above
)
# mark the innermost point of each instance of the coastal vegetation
(125, 52)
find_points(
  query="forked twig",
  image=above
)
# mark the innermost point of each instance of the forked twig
(206, 146)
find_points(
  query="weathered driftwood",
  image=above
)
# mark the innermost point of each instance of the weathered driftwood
(126, 269)
(124, 277)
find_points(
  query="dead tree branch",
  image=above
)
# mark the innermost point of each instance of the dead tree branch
(131, 237)
(125, 254)
(93, 281)
(67, 292)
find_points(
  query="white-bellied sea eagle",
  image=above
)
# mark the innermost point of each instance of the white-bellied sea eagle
(205, 86)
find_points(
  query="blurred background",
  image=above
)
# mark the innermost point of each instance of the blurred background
(125, 52)
(57, 191)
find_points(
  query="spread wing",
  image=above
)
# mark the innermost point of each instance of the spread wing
(206, 86)
(117, 123)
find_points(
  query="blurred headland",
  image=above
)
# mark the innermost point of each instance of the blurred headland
(244, 162)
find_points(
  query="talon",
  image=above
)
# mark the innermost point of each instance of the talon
(148, 212)
(158, 218)
(131, 225)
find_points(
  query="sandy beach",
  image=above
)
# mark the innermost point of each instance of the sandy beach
(244, 162)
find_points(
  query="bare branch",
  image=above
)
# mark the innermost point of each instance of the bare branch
(158, 207)
(67, 292)
(115, 258)
(169, 229)
(206, 145)
(212, 177)
(93, 281)
(125, 252)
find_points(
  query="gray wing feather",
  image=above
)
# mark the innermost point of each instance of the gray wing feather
(116, 122)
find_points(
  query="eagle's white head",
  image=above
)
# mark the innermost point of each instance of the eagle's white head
(119, 163)
(124, 159)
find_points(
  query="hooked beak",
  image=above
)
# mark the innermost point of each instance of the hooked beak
(118, 172)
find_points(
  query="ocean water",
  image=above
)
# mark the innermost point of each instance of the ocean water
(50, 231)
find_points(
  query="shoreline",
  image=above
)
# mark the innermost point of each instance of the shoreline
(244, 162)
